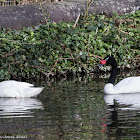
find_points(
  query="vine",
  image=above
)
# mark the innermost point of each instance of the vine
(58, 47)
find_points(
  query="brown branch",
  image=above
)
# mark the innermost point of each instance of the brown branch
(76, 20)
(55, 63)
(9, 53)
(17, 42)
(123, 31)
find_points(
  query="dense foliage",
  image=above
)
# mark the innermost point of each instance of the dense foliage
(45, 49)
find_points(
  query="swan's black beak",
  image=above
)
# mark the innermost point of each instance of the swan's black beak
(100, 65)
(103, 62)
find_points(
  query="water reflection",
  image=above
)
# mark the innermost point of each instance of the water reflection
(131, 100)
(18, 107)
(124, 116)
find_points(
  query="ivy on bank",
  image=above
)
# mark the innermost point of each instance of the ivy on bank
(45, 49)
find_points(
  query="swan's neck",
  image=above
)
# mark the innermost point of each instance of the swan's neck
(113, 73)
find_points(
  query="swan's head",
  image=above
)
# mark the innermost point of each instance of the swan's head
(108, 60)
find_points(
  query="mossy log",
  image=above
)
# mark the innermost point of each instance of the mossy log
(17, 17)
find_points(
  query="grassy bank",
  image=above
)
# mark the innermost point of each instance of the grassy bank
(56, 47)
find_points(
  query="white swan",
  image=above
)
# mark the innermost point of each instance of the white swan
(127, 85)
(17, 89)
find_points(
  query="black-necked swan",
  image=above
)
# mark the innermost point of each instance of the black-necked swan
(18, 89)
(127, 85)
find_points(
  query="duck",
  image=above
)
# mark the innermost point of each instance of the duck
(127, 85)
(18, 89)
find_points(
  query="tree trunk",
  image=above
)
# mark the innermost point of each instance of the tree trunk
(16, 17)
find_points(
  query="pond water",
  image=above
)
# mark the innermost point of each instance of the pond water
(74, 109)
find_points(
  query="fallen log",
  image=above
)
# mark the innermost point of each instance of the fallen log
(17, 17)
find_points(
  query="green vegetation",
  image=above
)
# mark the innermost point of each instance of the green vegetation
(55, 47)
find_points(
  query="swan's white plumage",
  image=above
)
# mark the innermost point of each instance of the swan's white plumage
(17, 89)
(127, 85)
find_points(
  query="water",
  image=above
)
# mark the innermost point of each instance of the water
(71, 110)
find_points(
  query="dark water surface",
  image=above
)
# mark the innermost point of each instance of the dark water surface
(71, 110)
